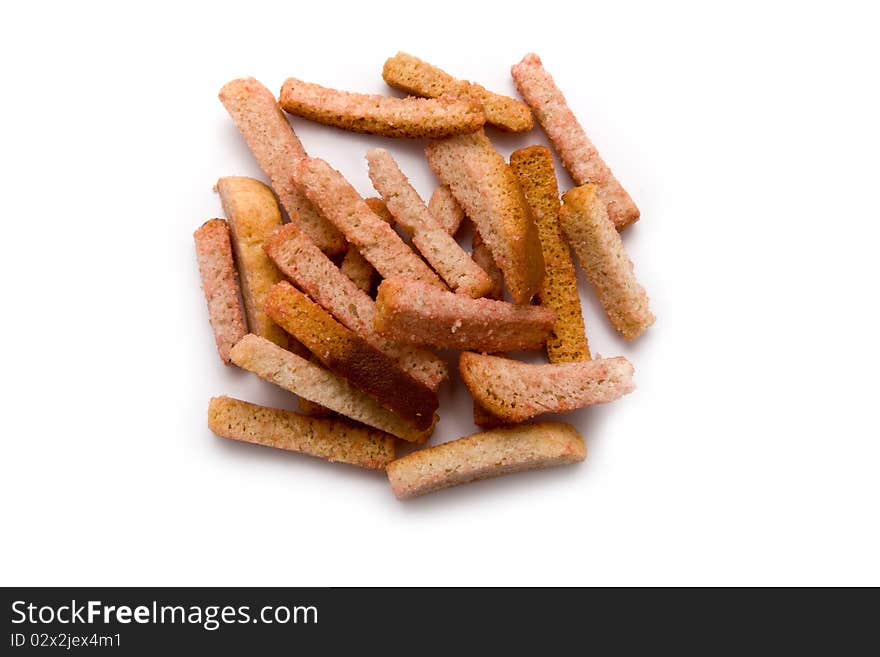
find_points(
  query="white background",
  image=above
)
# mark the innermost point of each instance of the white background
(749, 452)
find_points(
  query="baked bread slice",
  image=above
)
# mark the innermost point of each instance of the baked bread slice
(344, 352)
(334, 440)
(220, 284)
(533, 167)
(416, 313)
(416, 77)
(315, 274)
(485, 455)
(337, 200)
(600, 250)
(310, 381)
(513, 391)
(437, 246)
(488, 192)
(277, 148)
(382, 115)
(445, 209)
(575, 149)
(253, 215)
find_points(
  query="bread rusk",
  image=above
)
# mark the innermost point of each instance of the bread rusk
(489, 193)
(315, 274)
(484, 455)
(446, 210)
(416, 77)
(337, 200)
(533, 167)
(438, 247)
(600, 250)
(382, 115)
(220, 284)
(253, 215)
(333, 440)
(344, 352)
(575, 149)
(514, 391)
(276, 148)
(354, 265)
(317, 384)
(416, 313)
(483, 257)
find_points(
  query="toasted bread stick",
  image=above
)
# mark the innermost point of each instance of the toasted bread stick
(382, 115)
(354, 265)
(446, 209)
(412, 75)
(488, 191)
(599, 248)
(277, 148)
(438, 247)
(344, 352)
(373, 237)
(220, 284)
(533, 167)
(575, 149)
(317, 276)
(253, 215)
(514, 391)
(295, 374)
(416, 313)
(485, 455)
(334, 440)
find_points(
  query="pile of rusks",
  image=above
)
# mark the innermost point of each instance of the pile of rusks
(358, 356)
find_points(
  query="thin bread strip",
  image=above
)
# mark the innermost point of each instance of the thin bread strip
(344, 352)
(575, 149)
(382, 115)
(220, 284)
(374, 238)
(513, 391)
(483, 257)
(277, 148)
(253, 215)
(445, 209)
(533, 167)
(354, 265)
(291, 372)
(416, 77)
(438, 247)
(484, 455)
(486, 188)
(334, 440)
(599, 248)
(416, 313)
(317, 276)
